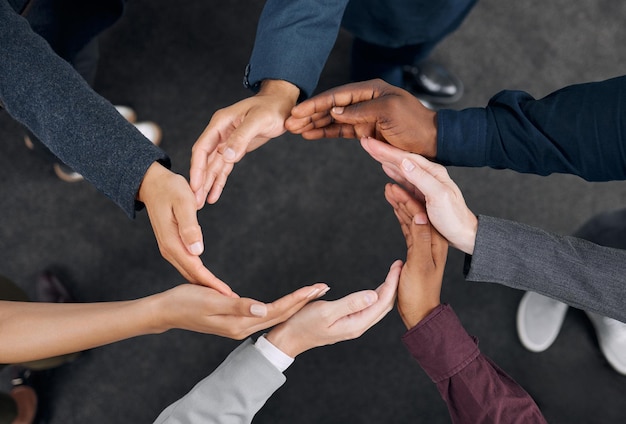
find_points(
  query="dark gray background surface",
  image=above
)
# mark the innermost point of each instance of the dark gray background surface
(295, 212)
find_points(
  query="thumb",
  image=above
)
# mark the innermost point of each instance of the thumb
(368, 112)
(189, 230)
(238, 142)
(244, 307)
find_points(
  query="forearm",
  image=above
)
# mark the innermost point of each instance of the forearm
(575, 271)
(474, 388)
(232, 394)
(576, 130)
(293, 41)
(32, 330)
(43, 92)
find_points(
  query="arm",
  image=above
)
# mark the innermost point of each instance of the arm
(473, 387)
(576, 130)
(58, 328)
(241, 385)
(45, 93)
(293, 41)
(571, 270)
(575, 271)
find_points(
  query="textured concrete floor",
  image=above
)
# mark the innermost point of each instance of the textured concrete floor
(296, 212)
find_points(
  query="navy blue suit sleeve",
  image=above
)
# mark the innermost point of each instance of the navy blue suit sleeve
(293, 41)
(577, 130)
(43, 92)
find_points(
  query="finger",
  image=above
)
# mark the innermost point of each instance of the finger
(285, 307)
(340, 96)
(219, 183)
(237, 144)
(241, 307)
(383, 152)
(351, 304)
(356, 323)
(421, 255)
(196, 272)
(203, 148)
(330, 131)
(308, 123)
(185, 215)
(430, 178)
(366, 112)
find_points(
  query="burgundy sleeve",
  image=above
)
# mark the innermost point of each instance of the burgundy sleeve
(475, 389)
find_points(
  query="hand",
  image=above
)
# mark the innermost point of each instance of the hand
(368, 109)
(323, 323)
(172, 210)
(234, 131)
(201, 309)
(429, 181)
(419, 290)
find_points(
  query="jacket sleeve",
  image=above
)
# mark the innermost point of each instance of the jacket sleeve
(575, 271)
(44, 93)
(232, 394)
(475, 389)
(577, 130)
(293, 41)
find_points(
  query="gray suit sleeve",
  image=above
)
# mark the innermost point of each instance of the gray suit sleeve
(575, 271)
(232, 394)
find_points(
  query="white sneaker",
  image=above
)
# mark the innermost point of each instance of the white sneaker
(129, 114)
(150, 130)
(612, 340)
(539, 320)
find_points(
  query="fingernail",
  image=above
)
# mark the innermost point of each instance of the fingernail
(369, 299)
(258, 310)
(197, 248)
(420, 219)
(229, 154)
(338, 110)
(407, 165)
(323, 292)
(313, 293)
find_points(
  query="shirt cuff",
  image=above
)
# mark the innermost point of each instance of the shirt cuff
(277, 357)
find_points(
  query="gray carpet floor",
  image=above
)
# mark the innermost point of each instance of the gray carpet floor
(296, 212)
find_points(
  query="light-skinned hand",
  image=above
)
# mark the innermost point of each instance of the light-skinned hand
(368, 109)
(431, 183)
(201, 309)
(171, 207)
(323, 323)
(234, 131)
(419, 291)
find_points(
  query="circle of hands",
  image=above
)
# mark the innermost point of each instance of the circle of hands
(397, 131)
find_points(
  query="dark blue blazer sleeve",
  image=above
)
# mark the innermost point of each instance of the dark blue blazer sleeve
(293, 41)
(577, 130)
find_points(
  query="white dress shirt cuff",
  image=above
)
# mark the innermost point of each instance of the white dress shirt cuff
(277, 357)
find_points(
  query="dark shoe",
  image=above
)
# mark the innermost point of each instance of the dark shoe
(51, 289)
(432, 83)
(23, 395)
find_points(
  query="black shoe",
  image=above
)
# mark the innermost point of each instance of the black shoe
(432, 83)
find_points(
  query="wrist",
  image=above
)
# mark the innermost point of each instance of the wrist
(280, 337)
(413, 317)
(468, 240)
(154, 173)
(284, 89)
(157, 313)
